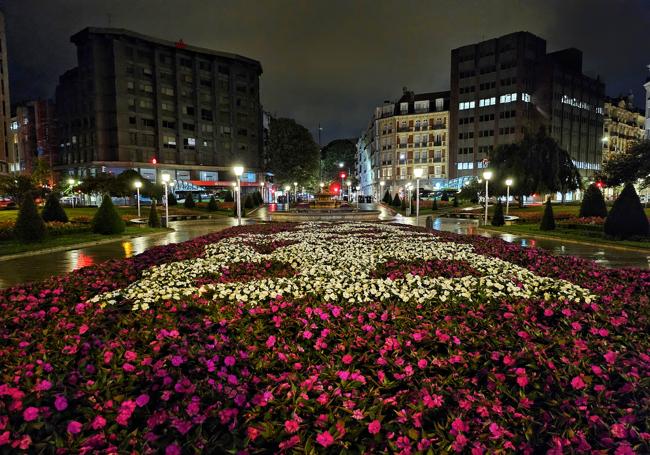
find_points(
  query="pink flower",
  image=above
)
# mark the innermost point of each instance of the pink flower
(610, 357)
(142, 400)
(522, 380)
(374, 427)
(422, 364)
(128, 367)
(74, 427)
(130, 356)
(347, 359)
(291, 426)
(577, 383)
(173, 449)
(270, 342)
(229, 361)
(60, 403)
(618, 431)
(43, 385)
(5, 438)
(459, 426)
(177, 360)
(325, 439)
(83, 328)
(252, 433)
(31, 413)
(98, 423)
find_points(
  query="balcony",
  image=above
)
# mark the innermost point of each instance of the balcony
(438, 143)
(402, 146)
(440, 126)
(403, 129)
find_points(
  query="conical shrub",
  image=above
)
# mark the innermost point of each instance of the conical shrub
(434, 205)
(154, 219)
(212, 205)
(189, 201)
(229, 197)
(497, 218)
(593, 203)
(397, 201)
(53, 210)
(387, 199)
(627, 219)
(106, 220)
(548, 222)
(456, 202)
(29, 227)
(248, 202)
(171, 199)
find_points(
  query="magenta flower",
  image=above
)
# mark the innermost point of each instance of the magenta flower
(98, 423)
(270, 342)
(346, 359)
(74, 427)
(291, 426)
(142, 400)
(610, 357)
(577, 383)
(173, 449)
(374, 427)
(31, 413)
(60, 403)
(229, 361)
(325, 439)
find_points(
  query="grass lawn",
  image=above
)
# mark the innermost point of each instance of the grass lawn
(563, 210)
(568, 234)
(14, 247)
(10, 215)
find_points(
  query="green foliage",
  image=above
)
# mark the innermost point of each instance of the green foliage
(497, 218)
(629, 166)
(434, 204)
(548, 221)
(396, 201)
(212, 205)
(106, 220)
(387, 199)
(471, 191)
(29, 227)
(258, 198)
(53, 210)
(403, 204)
(445, 197)
(456, 204)
(42, 173)
(16, 187)
(593, 203)
(171, 199)
(248, 202)
(189, 201)
(338, 151)
(229, 197)
(293, 154)
(627, 219)
(154, 219)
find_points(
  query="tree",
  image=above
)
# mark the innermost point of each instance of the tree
(125, 183)
(593, 203)
(387, 199)
(171, 199)
(154, 219)
(497, 218)
(434, 205)
(189, 201)
(631, 166)
(455, 204)
(293, 154)
(471, 191)
(396, 200)
(53, 210)
(16, 187)
(548, 221)
(29, 227)
(627, 219)
(106, 220)
(248, 202)
(336, 152)
(42, 173)
(229, 197)
(212, 205)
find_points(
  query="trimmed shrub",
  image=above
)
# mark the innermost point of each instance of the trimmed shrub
(212, 205)
(403, 204)
(29, 227)
(548, 222)
(627, 219)
(397, 202)
(154, 219)
(198, 198)
(189, 201)
(171, 199)
(229, 197)
(106, 220)
(434, 205)
(456, 204)
(497, 218)
(387, 199)
(593, 203)
(243, 210)
(445, 197)
(260, 199)
(248, 202)
(53, 210)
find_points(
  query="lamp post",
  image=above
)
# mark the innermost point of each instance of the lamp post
(358, 188)
(71, 183)
(508, 184)
(295, 192)
(417, 173)
(165, 180)
(349, 184)
(262, 191)
(239, 171)
(322, 185)
(409, 187)
(138, 185)
(381, 190)
(287, 188)
(487, 175)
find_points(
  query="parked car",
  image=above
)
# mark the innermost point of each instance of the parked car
(7, 204)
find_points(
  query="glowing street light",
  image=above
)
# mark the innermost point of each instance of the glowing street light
(417, 173)
(138, 185)
(349, 184)
(357, 189)
(508, 184)
(487, 175)
(239, 171)
(165, 180)
(295, 191)
(71, 182)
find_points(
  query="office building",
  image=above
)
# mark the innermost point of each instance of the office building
(137, 102)
(34, 131)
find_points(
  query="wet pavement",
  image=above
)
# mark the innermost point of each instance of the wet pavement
(32, 268)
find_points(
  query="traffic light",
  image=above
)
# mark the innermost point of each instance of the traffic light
(153, 161)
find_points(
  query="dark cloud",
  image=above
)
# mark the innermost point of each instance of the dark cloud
(333, 61)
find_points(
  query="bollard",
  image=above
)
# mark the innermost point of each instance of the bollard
(429, 222)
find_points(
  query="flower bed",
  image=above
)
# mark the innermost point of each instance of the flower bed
(54, 228)
(328, 337)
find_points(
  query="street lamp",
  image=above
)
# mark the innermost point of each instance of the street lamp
(381, 190)
(295, 192)
(409, 188)
(487, 175)
(165, 180)
(138, 185)
(238, 170)
(417, 173)
(508, 184)
(262, 191)
(358, 188)
(349, 184)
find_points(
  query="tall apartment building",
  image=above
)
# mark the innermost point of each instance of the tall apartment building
(623, 125)
(134, 98)
(412, 132)
(5, 105)
(35, 135)
(503, 87)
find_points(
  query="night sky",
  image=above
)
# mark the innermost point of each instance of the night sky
(333, 61)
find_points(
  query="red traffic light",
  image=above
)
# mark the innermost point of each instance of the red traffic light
(342, 175)
(154, 161)
(599, 184)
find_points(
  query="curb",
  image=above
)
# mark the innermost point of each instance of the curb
(79, 245)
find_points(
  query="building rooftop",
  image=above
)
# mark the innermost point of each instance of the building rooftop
(179, 45)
